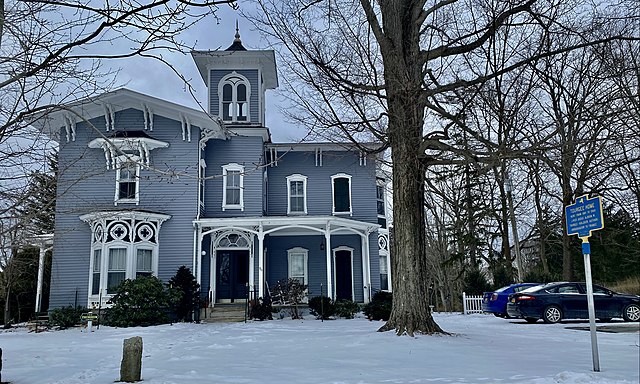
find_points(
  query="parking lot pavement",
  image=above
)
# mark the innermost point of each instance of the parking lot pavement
(617, 328)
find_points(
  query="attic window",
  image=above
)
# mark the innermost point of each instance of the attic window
(127, 142)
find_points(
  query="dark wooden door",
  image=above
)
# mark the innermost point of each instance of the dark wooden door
(232, 274)
(344, 289)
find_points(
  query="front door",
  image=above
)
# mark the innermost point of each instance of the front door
(232, 274)
(344, 289)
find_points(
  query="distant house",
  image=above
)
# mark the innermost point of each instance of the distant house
(147, 186)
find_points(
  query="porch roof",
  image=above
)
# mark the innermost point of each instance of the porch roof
(282, 225)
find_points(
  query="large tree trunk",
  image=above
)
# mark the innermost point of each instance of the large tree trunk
(403, 75)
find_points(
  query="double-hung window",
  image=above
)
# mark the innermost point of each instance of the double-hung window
(297, 194)
(117, 268)
(96, 269)
(380, 200)
(341, 191)
(234, 96)
(384, 273)
(297, 258)
(144, 259)
(233, 185)
(127, 176)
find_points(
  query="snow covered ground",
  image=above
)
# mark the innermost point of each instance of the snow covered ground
(484, 349)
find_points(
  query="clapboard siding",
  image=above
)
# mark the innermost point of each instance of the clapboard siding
(216, 76)
(168, 186)
(319, 198)
(277, 261)
(246, 151)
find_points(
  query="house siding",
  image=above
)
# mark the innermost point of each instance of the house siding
(319, 197)
(277, 260)
(246, 151)
(85, 185)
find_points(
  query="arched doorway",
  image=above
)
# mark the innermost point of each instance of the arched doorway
(231, 263)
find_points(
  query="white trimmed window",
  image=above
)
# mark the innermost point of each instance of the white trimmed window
(144, 262)
(341, 192)
(381, 203)
(96, 269)
(233, 185)
(297, 259)
(234, 93)
(127, 185)
(116, 268)
(296, 194)
(384, 273)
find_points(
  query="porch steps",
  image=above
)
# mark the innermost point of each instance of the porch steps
(224, 313)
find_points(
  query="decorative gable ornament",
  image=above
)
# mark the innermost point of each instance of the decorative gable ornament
(127, 143)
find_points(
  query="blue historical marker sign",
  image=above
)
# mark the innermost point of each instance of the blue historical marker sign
(584, 216)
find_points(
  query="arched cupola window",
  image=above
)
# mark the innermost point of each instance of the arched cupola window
(234, 92)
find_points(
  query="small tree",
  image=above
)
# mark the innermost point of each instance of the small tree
(185, 284)
(141, 302)
(289, 292)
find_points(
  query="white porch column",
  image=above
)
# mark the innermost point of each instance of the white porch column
(198, 256)
(195, 248)
(40, 276)
(366, 267)
(260, 262)
(327, 239)
(252, 267)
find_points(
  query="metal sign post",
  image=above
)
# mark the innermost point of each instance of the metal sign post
(582, 218)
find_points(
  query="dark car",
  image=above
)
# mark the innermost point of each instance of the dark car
(496, 302)
(557, 301)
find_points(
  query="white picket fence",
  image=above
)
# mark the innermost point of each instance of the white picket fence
(471, 303)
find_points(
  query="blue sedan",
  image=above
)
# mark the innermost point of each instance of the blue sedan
(558, 301)
(496, 302)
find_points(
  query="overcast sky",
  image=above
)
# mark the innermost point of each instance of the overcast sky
(155, 79)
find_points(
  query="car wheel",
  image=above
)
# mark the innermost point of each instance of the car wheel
(531, 320)
(552, 314)
(631, 312)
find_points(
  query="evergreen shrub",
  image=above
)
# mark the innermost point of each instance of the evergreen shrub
(322, 307)
(142, 302)
(66, 317)
(379, 308)
(187, 287)
(346, 308)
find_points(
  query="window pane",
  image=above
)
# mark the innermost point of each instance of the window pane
(242, 112)
(97, 258)
(242, 92)
(383, 265)
(117, 259)
(233, 196)
(341, 194)
(113, 280)
(227, 92)
(297, 265)
(379, 192)
(226, 111)
(380, 207)
(127, 190)
(143, 261)
(297, 204)
(384, 282)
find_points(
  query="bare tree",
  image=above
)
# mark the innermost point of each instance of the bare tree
(391, 71)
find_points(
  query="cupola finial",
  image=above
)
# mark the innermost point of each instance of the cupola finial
(237, 43)
(237, 39)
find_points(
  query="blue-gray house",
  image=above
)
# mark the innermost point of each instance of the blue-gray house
(146, 186)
